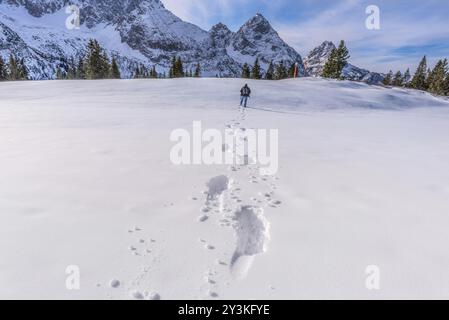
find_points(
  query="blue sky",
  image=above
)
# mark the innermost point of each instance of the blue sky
(409, 29)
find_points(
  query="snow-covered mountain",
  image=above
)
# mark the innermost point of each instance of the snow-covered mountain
(256, 38)
(314, 64)
(135, 31)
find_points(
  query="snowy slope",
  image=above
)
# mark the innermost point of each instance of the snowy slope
(86, 180)
(133, 31)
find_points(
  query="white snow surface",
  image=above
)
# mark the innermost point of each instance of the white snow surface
(87, 181)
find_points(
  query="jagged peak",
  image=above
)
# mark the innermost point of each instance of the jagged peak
(258, 24)
(323, 49)
(327, 43)
(257, 19)
(220, 27)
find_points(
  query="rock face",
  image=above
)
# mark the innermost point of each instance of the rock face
(256, 38)
(314, 64)
(317, 58)
(134, 31)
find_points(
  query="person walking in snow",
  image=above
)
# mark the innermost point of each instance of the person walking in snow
(245, 93)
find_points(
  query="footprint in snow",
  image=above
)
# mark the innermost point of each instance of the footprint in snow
(252, 230)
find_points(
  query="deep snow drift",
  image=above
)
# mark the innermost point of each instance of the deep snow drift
(86, 181)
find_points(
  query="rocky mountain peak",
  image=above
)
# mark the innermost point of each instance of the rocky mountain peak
(258, 24)
(220, 28)
(317, 58)
(220, 35)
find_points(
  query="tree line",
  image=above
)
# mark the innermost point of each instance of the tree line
(274, 71)
(15, 69)
(338, 59)
(434, 80)
(177, 69)
(95, 64)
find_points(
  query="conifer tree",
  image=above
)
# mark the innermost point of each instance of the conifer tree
(281, 71)
(114, 72)
(446, 85)
(3, 70)
(388, 80)
(105, 66)
(337, 61)
(153, 72)
(420, 78)
(429, 79)
(80, 69)
(407, 77)
(343, 57)
(97, 62)
(172, 68)
(397, 80)
(179, 69)
(330, 68)
(437, 78)
(270, 72)
(256, 72)
(17, 69)
(246, 72)
(14, 73)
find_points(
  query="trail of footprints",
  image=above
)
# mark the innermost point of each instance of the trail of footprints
(224, 197)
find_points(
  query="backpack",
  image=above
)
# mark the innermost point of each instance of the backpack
(245, 91)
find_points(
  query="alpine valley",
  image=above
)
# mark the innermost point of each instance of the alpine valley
(144, 32)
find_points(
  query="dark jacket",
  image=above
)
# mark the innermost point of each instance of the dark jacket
(245, 91)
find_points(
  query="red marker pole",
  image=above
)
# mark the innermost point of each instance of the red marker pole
(296, 70)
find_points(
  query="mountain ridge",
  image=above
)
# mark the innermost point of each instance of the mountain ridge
(135, 32)
(315, 61)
